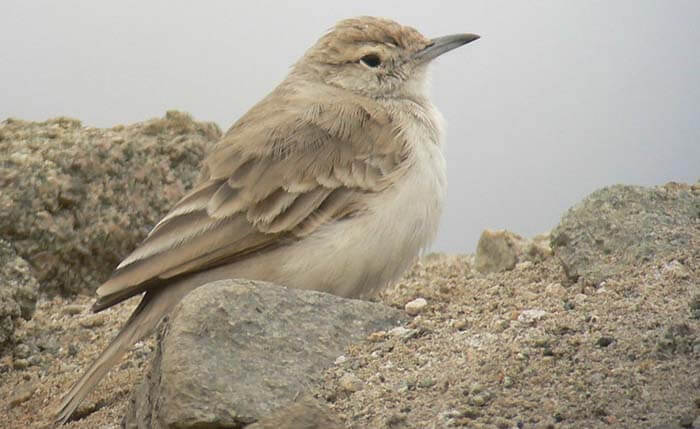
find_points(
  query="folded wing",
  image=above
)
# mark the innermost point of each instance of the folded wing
(277, 176)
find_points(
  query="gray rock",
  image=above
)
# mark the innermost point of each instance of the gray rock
(75, 200)
(235, 351)
(18, 293)
(696, 423)
(308, 413)
(677, 338)
(618, 227)
(22, 393)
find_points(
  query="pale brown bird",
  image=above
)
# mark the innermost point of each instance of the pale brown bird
(333, 182)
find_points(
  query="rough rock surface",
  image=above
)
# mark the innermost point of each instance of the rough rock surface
(75, 200)
(307, 413)
(18, 293)
(235, 351)
(625, 226)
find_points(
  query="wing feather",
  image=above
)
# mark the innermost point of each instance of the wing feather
(299, 210)
(264, 186)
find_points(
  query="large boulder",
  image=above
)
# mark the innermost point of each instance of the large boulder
(75, 200)
(236, 351)
(18, 293)
(621, 226)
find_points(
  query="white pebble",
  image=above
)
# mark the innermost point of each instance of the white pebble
(416, 306)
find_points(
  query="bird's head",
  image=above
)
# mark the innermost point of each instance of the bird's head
(376, 57)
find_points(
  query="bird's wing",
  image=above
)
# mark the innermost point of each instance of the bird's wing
(274, 178)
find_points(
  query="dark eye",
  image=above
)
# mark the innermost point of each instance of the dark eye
(371, 60)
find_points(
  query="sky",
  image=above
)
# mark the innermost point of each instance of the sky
(557, 99)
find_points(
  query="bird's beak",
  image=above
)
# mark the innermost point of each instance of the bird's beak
(440, 45)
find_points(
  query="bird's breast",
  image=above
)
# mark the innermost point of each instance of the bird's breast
(357, 256)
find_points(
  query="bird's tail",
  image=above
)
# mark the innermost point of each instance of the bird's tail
(141, 322)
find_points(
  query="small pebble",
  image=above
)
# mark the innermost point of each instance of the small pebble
(695, 307)
(695, 302)
(460, 324)
(375, 337)
(404, 334)
(22, 351)
(501, 325)
(696, 423)
(399, 331)
(350, 383)
(396, 420)
(72, 350)
(521, 266)
(479, 400)
(20, 364)
(555, 289)
(686, 420)
(34, 360)
(470, 413)
(416, 306)
(677, 270)
(426, 383)
(476, 388)
(604, 341)
(531, 316)
(73, 309)
(22, 394)
(93, 321)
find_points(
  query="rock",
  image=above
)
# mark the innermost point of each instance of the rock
(350, 383)
(677, 338)
(695, 306)
(531, 316)
(75, 200)
(604, 341)
(555, 289)
(305, 414)
(496, 251)
(235, 351)
(686, 420)
(22, 394)
(618, 227)
(376, 337)
(501, 250)
(676, 270)
(696, 423)
(18, 293)
(73, 309)
(538, 249)
(20, 364)
(22, 351)
(525, 265)
(416, 306)
(90, 321)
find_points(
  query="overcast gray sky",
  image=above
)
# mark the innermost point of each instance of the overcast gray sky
(557, 99)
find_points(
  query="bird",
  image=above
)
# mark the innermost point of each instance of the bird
(335, 182)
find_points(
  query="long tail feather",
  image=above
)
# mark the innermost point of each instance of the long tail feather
(142, 321)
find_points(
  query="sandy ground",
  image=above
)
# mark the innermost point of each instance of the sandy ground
(520, 349)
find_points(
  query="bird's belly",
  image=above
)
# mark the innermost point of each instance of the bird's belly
(360, 255)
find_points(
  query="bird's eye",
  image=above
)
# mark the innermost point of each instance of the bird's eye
(371, 60)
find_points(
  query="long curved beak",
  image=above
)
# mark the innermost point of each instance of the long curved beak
(440, 45)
